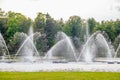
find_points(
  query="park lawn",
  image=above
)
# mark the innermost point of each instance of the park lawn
(59, 76)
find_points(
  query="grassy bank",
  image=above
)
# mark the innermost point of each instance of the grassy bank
(59, 76)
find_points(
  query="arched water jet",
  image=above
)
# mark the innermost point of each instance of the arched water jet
(19, 37)
(88, 56)
(64, 39)
(101, 37)
(69, 44)
(4, 48)
(117, 51)
(86, 44)
(30, 41)
(87, 31)
(50, 54)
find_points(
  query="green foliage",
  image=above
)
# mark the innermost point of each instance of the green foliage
(91, 24)
(3, 21)
(59, 24)
(16, 42)
(110, 27)
(40, 22)
(117, 27)
(19, 21)
(3, 26)
(12, 27)
(41, 44)
(39, 26)
(50, 30)
(73, 26)
(16, 23)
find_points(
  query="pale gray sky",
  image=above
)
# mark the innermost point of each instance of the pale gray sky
(98, 9)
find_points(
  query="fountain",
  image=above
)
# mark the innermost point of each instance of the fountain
(62, 49)
(27, 50)
(4, 53)
(116, 58)
(63, 56)
(88, 52)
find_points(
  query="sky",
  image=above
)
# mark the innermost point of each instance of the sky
(98, 9)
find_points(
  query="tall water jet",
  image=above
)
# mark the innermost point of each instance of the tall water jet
(29, 46)
(4, 52)
(27, 50)
(63, 47)
(87, 31)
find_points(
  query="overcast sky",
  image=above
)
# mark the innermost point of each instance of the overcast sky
(98, 9)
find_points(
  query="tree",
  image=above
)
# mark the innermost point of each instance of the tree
(73, 26)
(17, 23)
(60, 24)
(25, 24)
(16, 42)
(40, 22)
(48, 27)
(91, 24)
(41, 44)
(109, 28)
(50, 30)
(3, 21)
(117, 27)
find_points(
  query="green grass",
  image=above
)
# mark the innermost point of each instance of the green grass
(59, 76)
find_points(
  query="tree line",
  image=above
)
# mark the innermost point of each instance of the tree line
(75, 27)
